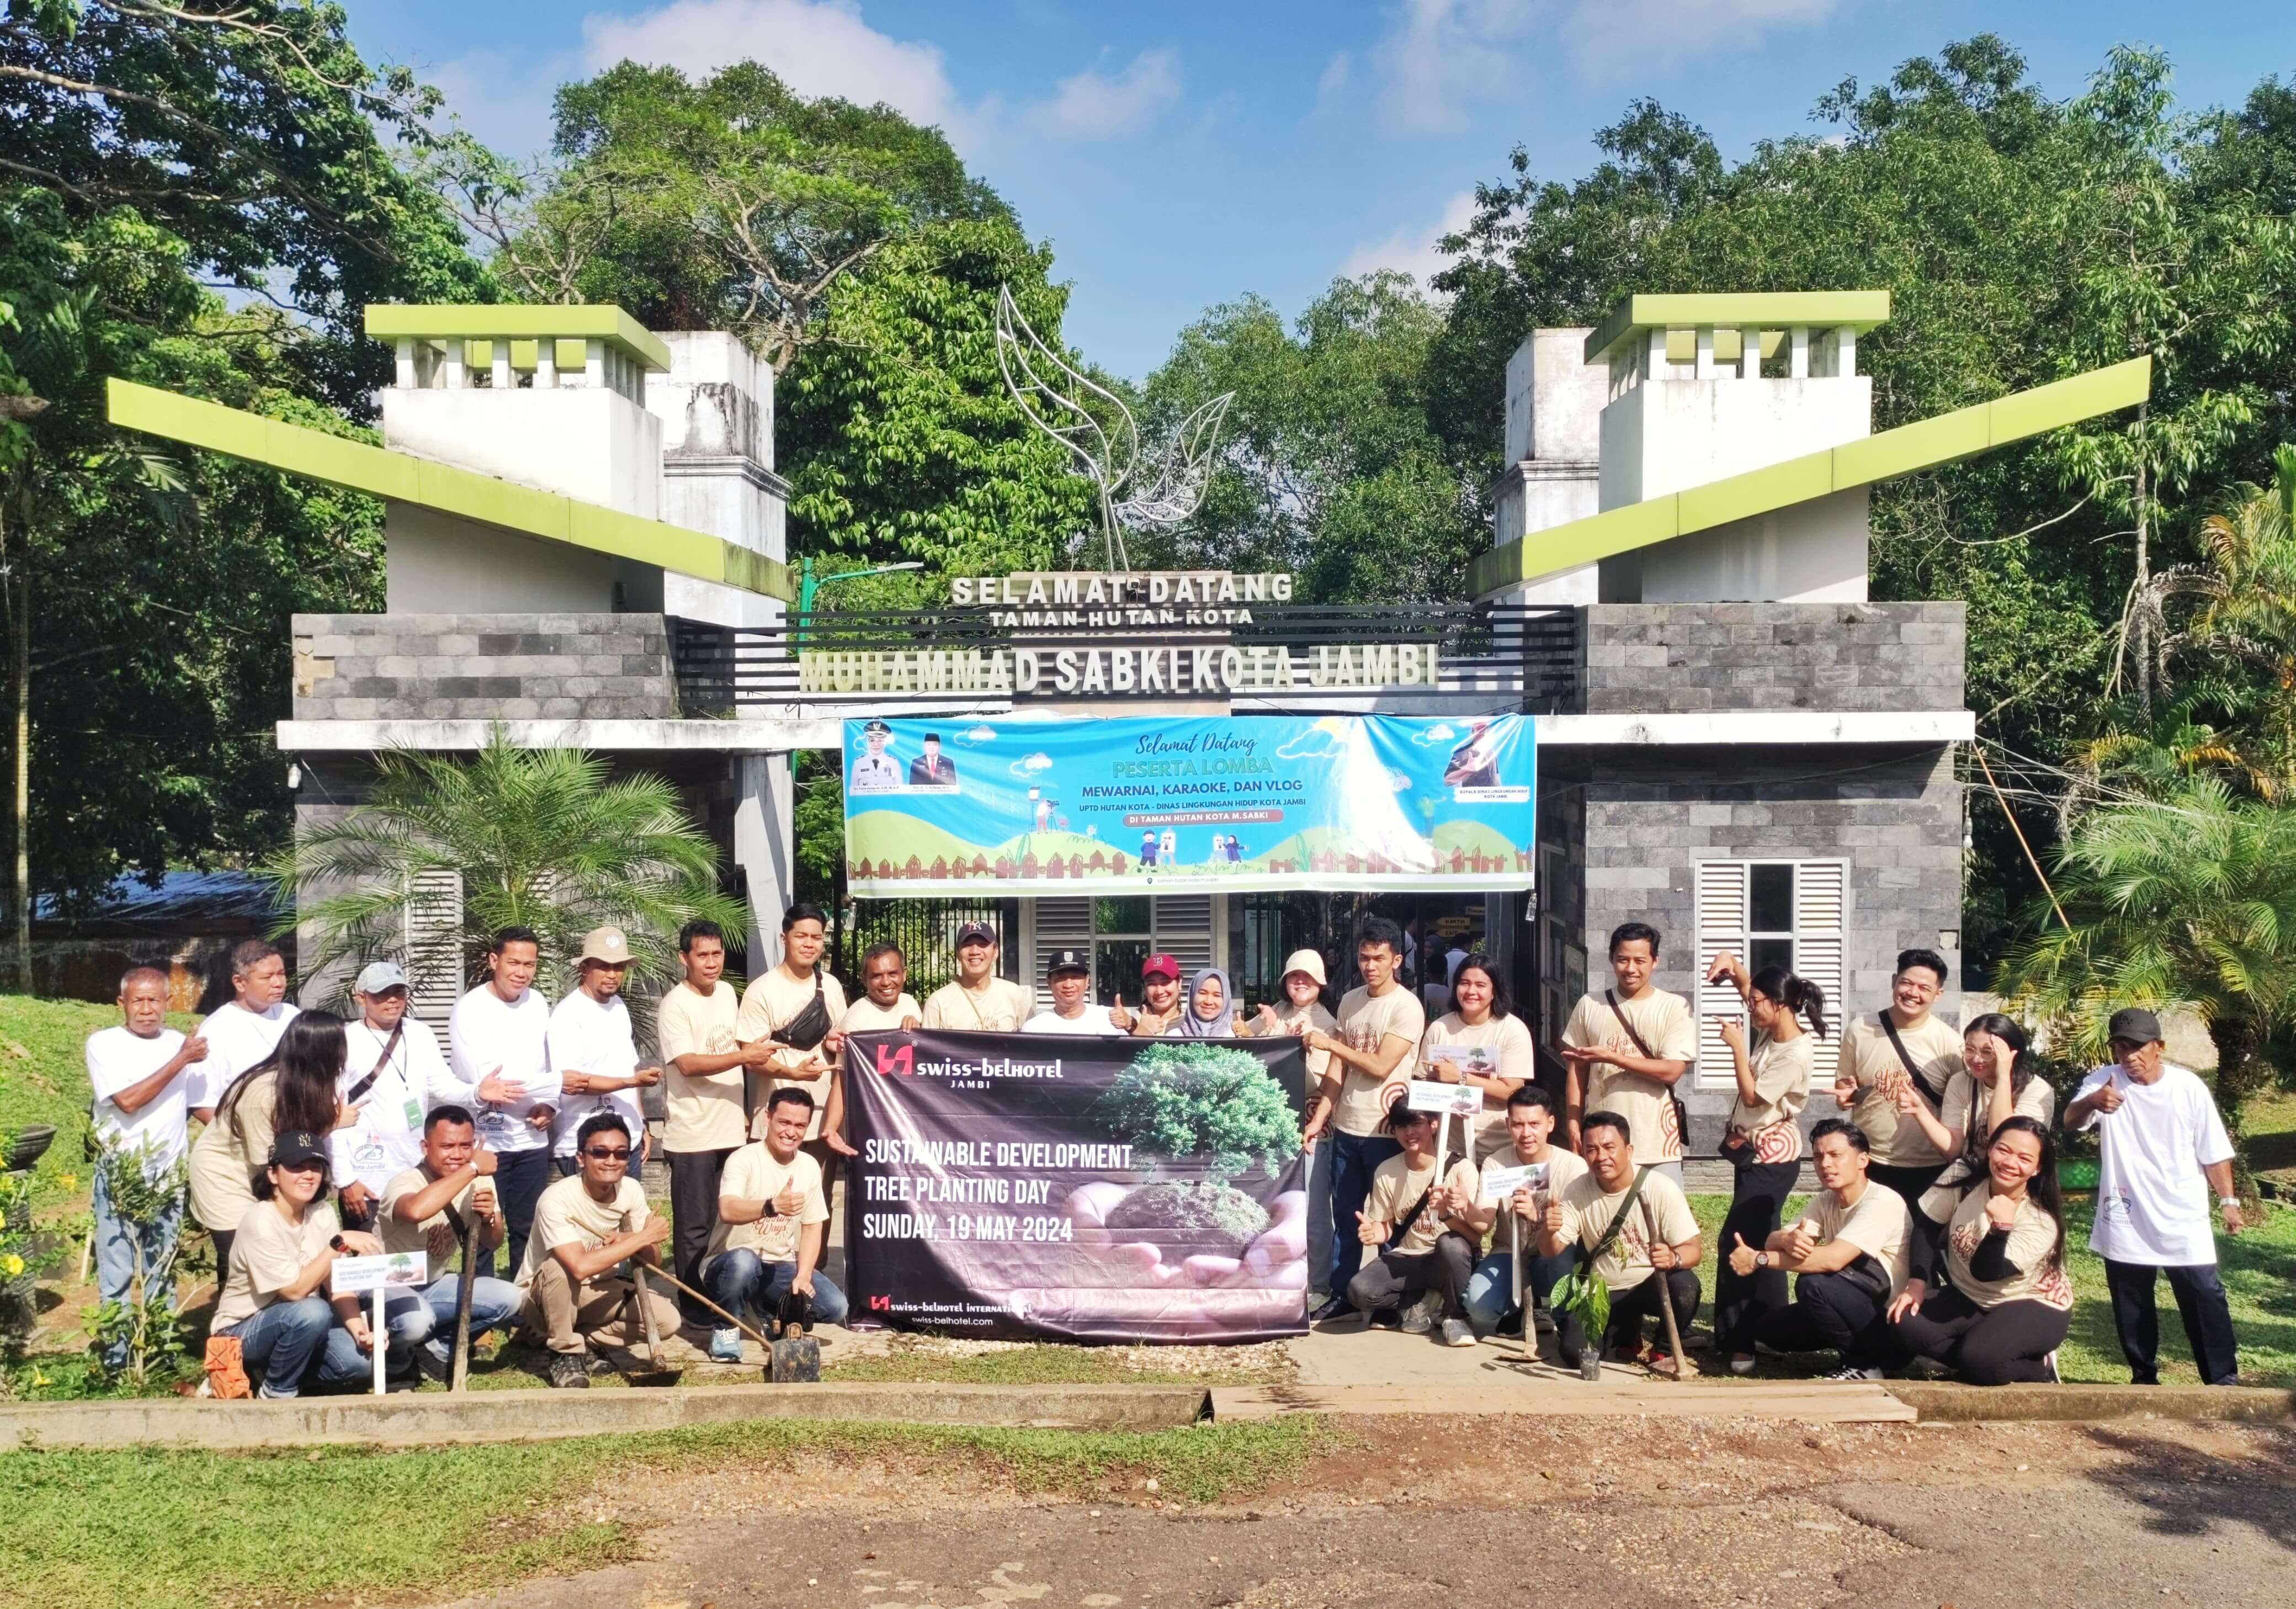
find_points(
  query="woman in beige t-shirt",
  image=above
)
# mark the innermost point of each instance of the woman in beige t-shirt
(1479, 1020)
(291, 1089)
(274, 1293)
(1763, 1139)
(1999, 1080)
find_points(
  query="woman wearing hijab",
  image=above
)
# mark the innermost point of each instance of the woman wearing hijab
(1210, 1013)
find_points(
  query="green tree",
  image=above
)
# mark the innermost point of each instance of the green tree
(1330, 467)
(539, 838)
(2186, 902)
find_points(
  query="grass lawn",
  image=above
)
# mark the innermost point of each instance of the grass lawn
(178, 1529)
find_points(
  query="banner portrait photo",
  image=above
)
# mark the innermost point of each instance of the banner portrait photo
(1014, 1186)
(1180, 805)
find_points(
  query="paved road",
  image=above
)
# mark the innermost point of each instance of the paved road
(1497, 1513)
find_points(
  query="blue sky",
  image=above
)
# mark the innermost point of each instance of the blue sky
(1181, 154)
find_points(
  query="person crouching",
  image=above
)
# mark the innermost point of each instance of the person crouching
(1424, 1230)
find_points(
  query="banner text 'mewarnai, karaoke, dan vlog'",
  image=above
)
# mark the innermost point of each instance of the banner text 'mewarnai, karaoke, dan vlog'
(1016, 1185)
(1185, 804)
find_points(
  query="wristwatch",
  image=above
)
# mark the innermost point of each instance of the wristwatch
(1761, 1259)
(771, 1211)
(2227, 1201)
(336, 1243)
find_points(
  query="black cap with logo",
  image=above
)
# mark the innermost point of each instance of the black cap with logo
(1067, 961)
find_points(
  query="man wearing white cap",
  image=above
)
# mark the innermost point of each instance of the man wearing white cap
(393, 1073)
(595, 1052)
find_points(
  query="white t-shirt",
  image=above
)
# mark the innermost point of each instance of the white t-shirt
(386, 1138)
(2152, 1198)
(118, 1060)
(489, 1034)
(587, 1035)
(237, 1039)
(1091, 1020)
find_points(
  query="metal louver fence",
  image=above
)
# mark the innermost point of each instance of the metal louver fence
(926, 931)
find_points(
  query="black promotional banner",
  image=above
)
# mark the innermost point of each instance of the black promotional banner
(1025, 1185)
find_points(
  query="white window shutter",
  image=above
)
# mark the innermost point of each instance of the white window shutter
(1821, 897)
(1722, 917)
(434, 946)
(1060, 924)
(1184, 931)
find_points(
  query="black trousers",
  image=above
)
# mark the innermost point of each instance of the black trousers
(2200, 1302)
(1394, 1278)
(1758, 1198)
(521, 1177)
(1985, 1346)
(223, 1239)
(1629, 1309)
(1907, 1182)
(693, 1176)
(1832, 1310)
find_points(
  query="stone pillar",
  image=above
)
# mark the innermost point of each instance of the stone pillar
(764, 849)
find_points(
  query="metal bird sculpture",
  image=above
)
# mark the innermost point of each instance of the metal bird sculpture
(1103, 441)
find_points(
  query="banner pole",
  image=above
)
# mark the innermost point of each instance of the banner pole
(380, 1338)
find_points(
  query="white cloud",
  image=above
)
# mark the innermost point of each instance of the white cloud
(1612, 40)
(1092, 105)
(1441, 53)
(1332, 84)
(1413, 250)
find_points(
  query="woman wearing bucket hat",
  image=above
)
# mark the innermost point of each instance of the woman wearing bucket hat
(1302, 1012)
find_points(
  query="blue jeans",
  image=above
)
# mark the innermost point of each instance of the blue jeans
(1490, 1288)
(426, 1317)
(742, 1282)
(117, 1242)
(1353, 1159)
(289, 1344)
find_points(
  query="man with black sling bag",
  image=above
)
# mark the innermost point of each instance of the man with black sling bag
(393, 1073)
(1626, 1052)
(1893, 1059)
(1598, 1211)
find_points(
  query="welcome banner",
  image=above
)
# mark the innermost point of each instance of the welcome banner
(1018, 1186)
(1179, 805)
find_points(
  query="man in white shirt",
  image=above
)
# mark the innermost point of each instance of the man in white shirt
(499, 1039)
(2161, 1147)
(773, 1217)
(1849, 1249)
(875, 772)
(243, 1030)
(593, 1052)
(977, 1000)
(393, 1074)
(1068, 977)
(139, 1071)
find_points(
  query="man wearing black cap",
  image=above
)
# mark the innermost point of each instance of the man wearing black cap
(876, 772)
(977, 1001)
(2161, 1147)
(1069, 976)
(932, 769)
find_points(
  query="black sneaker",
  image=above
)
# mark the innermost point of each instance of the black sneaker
(1387, 1319)
(1337, 1307)
(1510, 1325)
(569, 1370)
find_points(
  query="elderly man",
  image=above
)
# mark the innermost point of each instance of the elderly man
(239, 1033)
(773, 1215)
(586, 1227)
(1606, 1217)
(2162, 1148)
(1849, 1248)
(932, 769)
(426, 1208)
(977, 1000)
(498, 1040)
(393, 1073)
(593, 1052)
(1068, 977)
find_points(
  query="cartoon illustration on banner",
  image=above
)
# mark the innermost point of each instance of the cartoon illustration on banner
(1242, 802)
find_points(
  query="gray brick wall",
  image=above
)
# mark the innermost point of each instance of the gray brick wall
(1642, 820)
(1692, 657)
(483, 667)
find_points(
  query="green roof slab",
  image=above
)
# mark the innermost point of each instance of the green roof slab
(1861, 310)
(1963, 433)
(465, 494)
(520, 324)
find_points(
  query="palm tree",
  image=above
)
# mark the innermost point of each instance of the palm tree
(2187, 901)
(539, 838)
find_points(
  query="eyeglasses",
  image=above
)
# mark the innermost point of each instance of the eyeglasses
(622, 1155)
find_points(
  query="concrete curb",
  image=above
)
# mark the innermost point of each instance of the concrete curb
(1943, 1402)
(421, 1419)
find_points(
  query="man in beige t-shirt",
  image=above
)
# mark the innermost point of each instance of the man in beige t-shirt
(773, 1215)
(1872, 1085)
(885, 1005)
(586, 1227)
(1849, 1248)
(1652, 1257)
(1379, 1026)
(1627, 1048)
(1512, 1221)
(977, 1000)
(424, 1209)
(1422, 1230)
(783, 995)
(706, 1069)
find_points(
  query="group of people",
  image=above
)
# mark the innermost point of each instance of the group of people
(1934, 1243)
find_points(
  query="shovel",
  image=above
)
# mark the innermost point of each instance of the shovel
(795, 1360)
(1665, 1303)
(655, 1373)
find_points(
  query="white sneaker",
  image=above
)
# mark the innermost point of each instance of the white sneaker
(1419, 1318)
(1850, 1371)
(1741, 1366)
(1458, 1332)
(2050, 1364)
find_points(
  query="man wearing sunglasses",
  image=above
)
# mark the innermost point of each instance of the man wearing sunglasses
(586, 1227)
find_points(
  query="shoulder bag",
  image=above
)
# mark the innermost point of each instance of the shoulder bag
(1935, 1097)
(1681, 1112)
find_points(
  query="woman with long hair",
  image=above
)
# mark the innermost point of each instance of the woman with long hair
(291, 1089)
(1480, 1041)
(275, 1295)
(1994, 1306)
(2002, 1080)
(1762, 1140)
